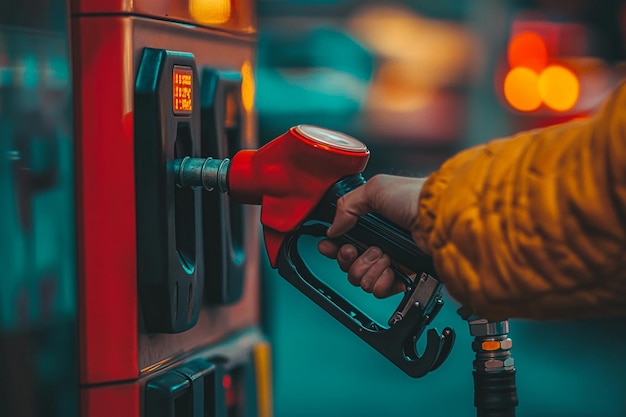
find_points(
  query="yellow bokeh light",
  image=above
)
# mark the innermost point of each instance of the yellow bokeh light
(559, 88)
(247, 95)
(210, 12)
(521, 89)
(247, 86)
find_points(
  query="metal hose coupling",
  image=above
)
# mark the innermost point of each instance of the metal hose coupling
(207, 173)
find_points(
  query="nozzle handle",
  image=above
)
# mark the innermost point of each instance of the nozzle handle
(396, 342)
(420, 304)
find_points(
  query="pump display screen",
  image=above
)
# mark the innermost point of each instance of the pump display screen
(182, 83)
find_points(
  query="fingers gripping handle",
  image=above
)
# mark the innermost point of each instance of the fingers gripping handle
(374, 230)
(396, 342)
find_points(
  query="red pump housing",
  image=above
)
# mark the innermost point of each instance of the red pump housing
(289, 175)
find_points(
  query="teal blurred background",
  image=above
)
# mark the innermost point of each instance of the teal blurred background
(417, 81)
(38, 348)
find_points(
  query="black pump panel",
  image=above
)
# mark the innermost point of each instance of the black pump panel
(223, 231)
(169, 247)
(193, 389)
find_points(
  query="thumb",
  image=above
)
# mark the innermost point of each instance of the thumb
(349, 208)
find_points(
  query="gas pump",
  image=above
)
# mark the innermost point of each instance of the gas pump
(297, 179)
(168, 278)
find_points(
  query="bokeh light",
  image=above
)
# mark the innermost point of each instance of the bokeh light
(247, 86)
(528, 49)
(521, 89)
(210, 12)
(558, 88)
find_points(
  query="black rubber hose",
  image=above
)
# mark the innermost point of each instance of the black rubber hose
(495, 394)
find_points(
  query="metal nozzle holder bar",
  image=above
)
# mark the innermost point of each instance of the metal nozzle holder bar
(492, 346)
(207, 173)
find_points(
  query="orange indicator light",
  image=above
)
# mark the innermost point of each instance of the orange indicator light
(491, 345)
(182, 90)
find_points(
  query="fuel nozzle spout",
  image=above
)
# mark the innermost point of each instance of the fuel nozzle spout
(287, 177)
(208, 173)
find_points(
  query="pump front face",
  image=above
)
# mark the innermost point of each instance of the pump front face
(151, 299)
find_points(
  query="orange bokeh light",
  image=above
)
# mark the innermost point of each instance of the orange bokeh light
(535, 80)
(521, 89)
(210, 12)
(528, 49)
(559, 88)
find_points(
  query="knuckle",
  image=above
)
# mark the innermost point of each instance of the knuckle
(380, 291)
(354, 280)
(376, 180)
(341, 203)
(385, 283)
(356, 273)
(348, 253)
(370, 280)
(328, 249)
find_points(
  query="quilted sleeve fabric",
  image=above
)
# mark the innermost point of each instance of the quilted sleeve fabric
(534, 226)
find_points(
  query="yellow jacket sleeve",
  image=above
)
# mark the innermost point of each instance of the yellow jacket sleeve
(534, 226)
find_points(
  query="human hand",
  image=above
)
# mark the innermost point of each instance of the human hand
(395, 198)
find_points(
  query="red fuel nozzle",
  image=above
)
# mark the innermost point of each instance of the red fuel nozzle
(287, 177)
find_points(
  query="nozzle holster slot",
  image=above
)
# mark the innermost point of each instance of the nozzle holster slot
(222, 137)
(169, 261)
